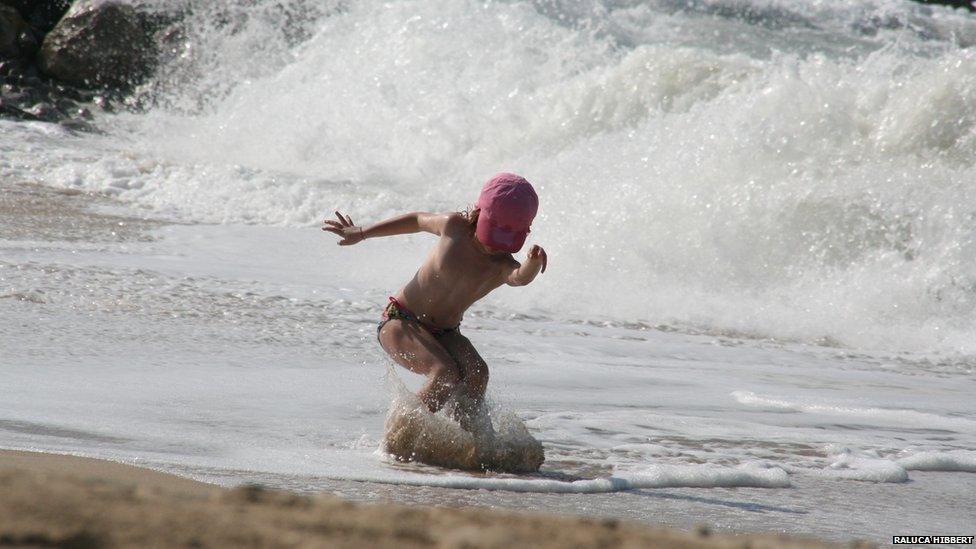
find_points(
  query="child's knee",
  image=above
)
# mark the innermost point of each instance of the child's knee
(477, 374)
(481, 371)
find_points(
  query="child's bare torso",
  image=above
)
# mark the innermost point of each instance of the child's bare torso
(457, 272)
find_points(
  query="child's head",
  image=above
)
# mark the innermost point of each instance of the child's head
(507, 205)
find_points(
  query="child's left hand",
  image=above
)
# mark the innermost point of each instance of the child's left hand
(536, 253)
(346, 229)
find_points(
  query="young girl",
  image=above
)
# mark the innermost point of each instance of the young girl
(420, 327)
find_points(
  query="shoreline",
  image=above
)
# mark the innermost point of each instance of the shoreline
(60, 500)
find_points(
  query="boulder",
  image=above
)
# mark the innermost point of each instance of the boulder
(98, 43)
(968, 4)
(20, 5)
(16, 38)
(41, 15)
(45, 15)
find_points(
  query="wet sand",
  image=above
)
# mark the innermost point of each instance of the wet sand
(67, 501)
(32, 212)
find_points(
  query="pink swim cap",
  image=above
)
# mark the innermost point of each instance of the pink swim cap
(508, 205)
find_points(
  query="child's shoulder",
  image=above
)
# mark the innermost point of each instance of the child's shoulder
(455, 221)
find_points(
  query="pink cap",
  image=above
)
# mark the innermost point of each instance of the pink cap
(508, 205)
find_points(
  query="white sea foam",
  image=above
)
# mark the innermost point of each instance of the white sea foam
(802, 173)
(952, 460)
(708, 476)
(848, 464)
(886, 416)
(661, 476)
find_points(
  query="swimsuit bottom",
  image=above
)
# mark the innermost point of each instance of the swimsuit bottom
(394, 310)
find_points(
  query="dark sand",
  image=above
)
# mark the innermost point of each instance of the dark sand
(51, 500)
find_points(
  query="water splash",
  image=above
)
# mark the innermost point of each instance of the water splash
(413, 433)
(785, 170)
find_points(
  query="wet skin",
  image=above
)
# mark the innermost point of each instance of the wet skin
(458, 271)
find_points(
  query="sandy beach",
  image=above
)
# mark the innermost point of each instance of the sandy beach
(67, 501)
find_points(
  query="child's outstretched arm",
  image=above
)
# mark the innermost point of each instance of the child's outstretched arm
(413, 222)
(526, 272)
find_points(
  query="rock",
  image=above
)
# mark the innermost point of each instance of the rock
(98, 43)
(42, 15)
(11, 110)
(14, 97)
(968, 4)
(71, 93)
(78, 125)
(45, 112)
(14, 31)
(45, 15)
(11, 66)
(19, 4)
(23, 6)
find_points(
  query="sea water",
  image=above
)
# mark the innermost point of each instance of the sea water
(759, 216)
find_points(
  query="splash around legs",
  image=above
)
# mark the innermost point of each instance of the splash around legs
(462, 436)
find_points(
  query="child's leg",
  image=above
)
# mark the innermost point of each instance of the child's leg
(474, 380)
(414, 348)
(473, 368)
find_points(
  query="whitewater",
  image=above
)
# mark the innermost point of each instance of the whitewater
(760, 306)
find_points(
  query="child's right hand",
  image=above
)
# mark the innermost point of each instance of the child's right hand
(538, 255)
(351, 234)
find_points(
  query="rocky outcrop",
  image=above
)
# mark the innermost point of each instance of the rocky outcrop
(26, 93)
(59, 64)
(97, 43)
